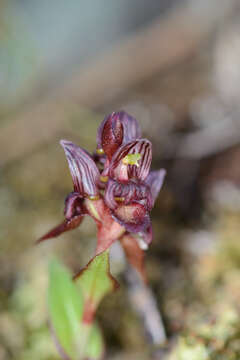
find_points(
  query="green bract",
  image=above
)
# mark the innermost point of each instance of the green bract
(95, 279)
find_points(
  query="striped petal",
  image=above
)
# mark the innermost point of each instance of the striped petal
(126, 193)
(155, 181)
(85, 174)
(131, 127)
(122, 170)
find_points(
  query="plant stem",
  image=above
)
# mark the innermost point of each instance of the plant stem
(144, 303)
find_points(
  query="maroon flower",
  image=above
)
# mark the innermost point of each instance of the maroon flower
(120, 196)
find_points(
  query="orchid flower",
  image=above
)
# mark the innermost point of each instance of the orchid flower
(118, 197)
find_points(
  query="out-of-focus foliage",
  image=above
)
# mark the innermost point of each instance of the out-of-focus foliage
(72, 311)
(65, 309)
(212, 327)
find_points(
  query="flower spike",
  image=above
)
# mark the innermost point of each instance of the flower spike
(85, 174)
(120, 194)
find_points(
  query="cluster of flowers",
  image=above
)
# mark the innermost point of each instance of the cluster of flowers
(114, 186)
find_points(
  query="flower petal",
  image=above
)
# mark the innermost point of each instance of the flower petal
(110, 135)
(126, 193)
(155, 181)
(73, 205)
(84, 171)
(66, 225)
(122, 171)
(113, 189)
(131, 127)
(133, 217)
(134, 254)
(116, 129)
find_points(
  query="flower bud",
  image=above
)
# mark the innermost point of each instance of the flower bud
(110, 135)
(117, 129)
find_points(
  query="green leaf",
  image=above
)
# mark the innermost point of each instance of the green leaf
(95, 280)
(66, 307)
(95, 346)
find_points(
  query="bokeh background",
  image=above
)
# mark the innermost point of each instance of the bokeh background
(174, 65)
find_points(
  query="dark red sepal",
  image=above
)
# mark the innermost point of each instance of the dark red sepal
(66, 225)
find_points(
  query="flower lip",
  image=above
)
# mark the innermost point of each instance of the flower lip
(134, 217)
(83, 169)
(116, 193)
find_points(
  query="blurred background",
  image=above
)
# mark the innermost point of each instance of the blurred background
(174, 65)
